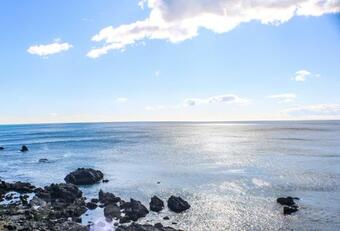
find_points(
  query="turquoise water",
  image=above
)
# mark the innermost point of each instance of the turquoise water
(231, 173)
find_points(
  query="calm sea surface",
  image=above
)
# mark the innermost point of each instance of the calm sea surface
(231, 173)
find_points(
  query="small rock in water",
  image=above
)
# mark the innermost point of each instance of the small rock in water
(2, 148)
(91, 205)
(287, 210)
(43, 160)
(84, 176)
(156, 204)
(24, 148)
(289, 204)
(105, 181)
(94, 200)
(286, 201)
(177, 204)
(166, 218)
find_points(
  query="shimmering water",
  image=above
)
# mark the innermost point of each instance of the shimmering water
(231, 173)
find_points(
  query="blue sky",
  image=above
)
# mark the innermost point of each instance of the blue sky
(168, 60)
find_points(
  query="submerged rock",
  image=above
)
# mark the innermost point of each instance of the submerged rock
(2, 148)
(156, 204)
(43, 160)
(24, 148)
(84, 176)
(177, 204)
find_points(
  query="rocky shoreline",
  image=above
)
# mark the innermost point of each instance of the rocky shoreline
(59, 207)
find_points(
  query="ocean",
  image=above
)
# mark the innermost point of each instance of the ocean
(230, 172)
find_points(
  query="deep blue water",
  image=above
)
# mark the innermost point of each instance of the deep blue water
(231, 173)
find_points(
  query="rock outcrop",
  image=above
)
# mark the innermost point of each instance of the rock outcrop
(84, 176)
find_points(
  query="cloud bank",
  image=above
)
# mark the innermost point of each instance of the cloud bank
(49, 49)
(179, 20)
(315, 110)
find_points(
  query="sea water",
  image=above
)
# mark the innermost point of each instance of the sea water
(230, 172)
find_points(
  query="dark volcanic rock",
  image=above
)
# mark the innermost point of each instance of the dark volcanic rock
(146, 227)
(94, 200)
(91, 205)
(133, 210)
(24, 148)
(20, 187)
(287, 210)
(84, 176)
(107, 198)
(286, 201)
(156, 204)
(67, 193)
(112, 211)
(105, 181)
(70, 226)
(289, 204)
(2, 148)
(177, 204)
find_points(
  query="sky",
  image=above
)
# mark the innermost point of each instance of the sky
(169, 60)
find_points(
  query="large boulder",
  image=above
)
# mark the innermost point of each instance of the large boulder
(177, 204)
(156, 204)
(84, 176)
(67, 193)
(133, 210)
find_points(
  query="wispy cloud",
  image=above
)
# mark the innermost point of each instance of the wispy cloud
(49, 49)
(122, 100)
(302, 75)
(315, 110)
(179, 20)
(216, 99)
(285, 98)
(190, 102)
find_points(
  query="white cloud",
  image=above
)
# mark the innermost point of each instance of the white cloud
(287, 97)
(216, 99)
(122, 100)
(49, 49)
(315, 110)
(301, 75)
(179, 20)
